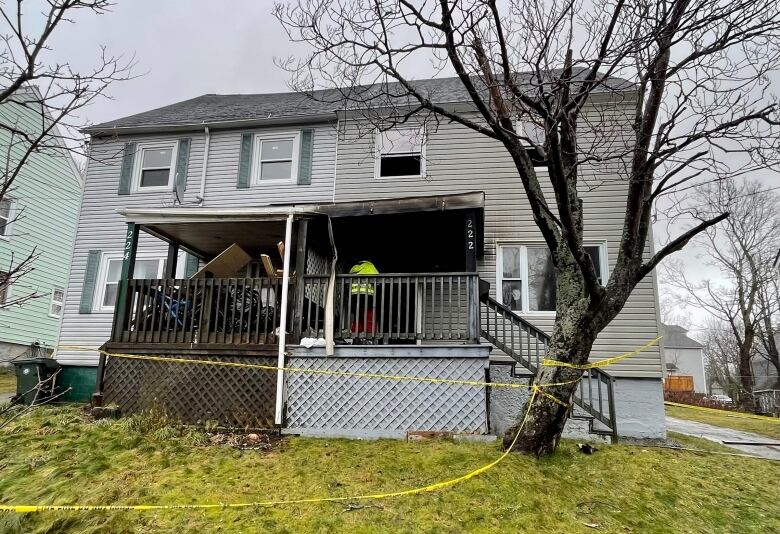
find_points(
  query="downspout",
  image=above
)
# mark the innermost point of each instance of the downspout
(202, 195)
(329, 295)
(283, 321)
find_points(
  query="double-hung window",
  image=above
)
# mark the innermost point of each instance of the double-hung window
(111, 271)
(276, 157)
(154, 169)
(526, 277)
(400, 153)
(57, 301)
(5, 218)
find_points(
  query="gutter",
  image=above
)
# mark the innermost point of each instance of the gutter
(107, 131)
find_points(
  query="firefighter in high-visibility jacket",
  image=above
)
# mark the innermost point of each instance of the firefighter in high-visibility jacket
(361, 291)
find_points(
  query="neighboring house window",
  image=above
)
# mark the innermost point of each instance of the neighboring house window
(536, 133)
(5, 289)
(400, 153)
(5, 218)
(57, 300)
(276, 157)
(526, 278)
(154, 167)
(111, 271)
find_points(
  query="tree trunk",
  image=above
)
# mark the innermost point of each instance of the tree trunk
(746, 400)
(541, 430)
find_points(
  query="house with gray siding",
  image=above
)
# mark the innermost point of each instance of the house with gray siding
(38, 216)
(458, 286)
(684, 356)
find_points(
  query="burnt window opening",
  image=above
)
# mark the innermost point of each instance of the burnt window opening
(400, 153)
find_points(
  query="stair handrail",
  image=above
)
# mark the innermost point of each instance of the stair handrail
(579, 395)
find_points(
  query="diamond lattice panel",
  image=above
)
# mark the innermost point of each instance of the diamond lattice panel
(371, 404)
(193, 393)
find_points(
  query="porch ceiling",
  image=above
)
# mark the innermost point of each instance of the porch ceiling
(207, 239)
(208, 231)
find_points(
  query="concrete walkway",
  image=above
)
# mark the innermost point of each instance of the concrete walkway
(719, 434)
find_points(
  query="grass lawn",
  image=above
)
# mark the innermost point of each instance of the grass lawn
(767, 427)
(57, 456)
(7, 380)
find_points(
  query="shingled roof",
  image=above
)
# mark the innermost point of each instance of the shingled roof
(292, 106)
(675, 337)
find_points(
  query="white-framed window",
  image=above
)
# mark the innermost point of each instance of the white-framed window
(110, 272)
(6, 216)
(275, 157)
(400, 153)
(57, 301)
(154, 167)
(526, 279)
(536, 133)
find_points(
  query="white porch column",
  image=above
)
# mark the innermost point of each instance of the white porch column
(280, 385)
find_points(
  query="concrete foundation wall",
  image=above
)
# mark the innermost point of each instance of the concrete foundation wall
(639, 404)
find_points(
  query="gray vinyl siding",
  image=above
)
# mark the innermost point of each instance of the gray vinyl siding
(459, 160)
(102, 228)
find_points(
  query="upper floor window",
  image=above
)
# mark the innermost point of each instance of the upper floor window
(400, 153)
(5, 218)
(154, 168)
(57, 301)
(526, 277)
(276, 157)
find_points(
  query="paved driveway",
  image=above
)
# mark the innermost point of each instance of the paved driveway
(719, 434)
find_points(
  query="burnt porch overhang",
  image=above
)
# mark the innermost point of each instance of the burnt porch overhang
(205, 231)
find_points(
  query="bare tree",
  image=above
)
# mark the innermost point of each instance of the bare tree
(721, 357)
(742, 249)
(769, 323)
(55, 91)
(690, 72)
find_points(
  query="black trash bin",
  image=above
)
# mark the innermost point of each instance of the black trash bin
(29, 373)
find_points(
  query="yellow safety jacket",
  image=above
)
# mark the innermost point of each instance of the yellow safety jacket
(363, 268)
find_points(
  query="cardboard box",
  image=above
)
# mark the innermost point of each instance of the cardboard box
(226, 265)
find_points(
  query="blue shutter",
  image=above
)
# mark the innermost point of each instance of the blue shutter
(90, 278)
(191, 266)
(126, 176)
(305, 157)
(244, 161)
(182, 161)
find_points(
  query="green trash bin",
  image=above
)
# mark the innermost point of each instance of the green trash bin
(29, 373)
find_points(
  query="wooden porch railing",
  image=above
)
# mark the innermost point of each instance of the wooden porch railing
(394, 308)
(388, 308)
(226, 310)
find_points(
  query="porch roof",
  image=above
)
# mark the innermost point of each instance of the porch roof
(204, 231)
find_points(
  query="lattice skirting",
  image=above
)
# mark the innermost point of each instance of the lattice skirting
(193, 393)
(370, 407)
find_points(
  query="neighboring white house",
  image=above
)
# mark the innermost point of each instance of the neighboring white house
(684, 356)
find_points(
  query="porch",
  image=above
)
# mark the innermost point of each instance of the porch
(288, 270)
(282, 295)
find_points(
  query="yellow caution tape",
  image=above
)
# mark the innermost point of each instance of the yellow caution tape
(605, 362)
(537, 389)
(374, 496)
(726, 412)
(312, 371)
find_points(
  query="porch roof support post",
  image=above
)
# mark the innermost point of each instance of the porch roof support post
(128, 267)
(280, 390)
(170, 264)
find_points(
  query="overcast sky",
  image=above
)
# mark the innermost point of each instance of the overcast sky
(189, 48)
